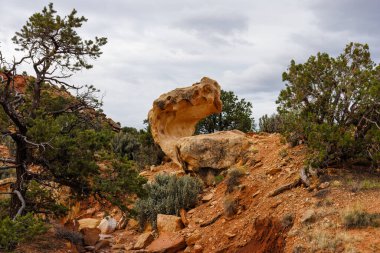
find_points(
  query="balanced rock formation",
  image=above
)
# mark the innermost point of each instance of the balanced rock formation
(173, 119)
(175, 114)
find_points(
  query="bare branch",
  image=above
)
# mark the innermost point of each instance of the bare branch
(373, 122)
(19, 212)
(7, 160)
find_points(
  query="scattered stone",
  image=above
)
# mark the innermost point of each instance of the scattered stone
(102, 244)
(168, 223)
(193, 238)
(182, 213)
(230, 235)
(107, 225)
(198, 248)
(90, 248)
(275, 205)
(256, 193)
(88, 223)
(308, 216)
(191, 211)
(214, 203)
(324, 185)
(199, 221)
(90, 236)
(273, 171)
(167, 242)
(207, 197)
(105, 236)
(118, 246)
(143, 240)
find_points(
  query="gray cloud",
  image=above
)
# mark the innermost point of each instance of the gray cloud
(156, 46)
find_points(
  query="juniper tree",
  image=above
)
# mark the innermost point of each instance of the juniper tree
(57, 133)
(335, 103)
(236, 114)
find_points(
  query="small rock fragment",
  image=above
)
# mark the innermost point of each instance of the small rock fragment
(308, 216)
(207, 197)
(324, 185)
(107, 225)
(90, 236)
(230, 235)
(198, 248)
(143, 240)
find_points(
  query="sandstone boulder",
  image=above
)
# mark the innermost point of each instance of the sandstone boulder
(107, 225)
(168, 223)
(88, 223)
(90, 236)
(143, 240)
(219, 150)
(168, 243)
(175, 114)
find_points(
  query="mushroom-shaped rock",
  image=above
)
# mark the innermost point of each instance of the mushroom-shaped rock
(175, 114)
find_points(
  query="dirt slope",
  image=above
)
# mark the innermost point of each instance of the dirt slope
(297, 220)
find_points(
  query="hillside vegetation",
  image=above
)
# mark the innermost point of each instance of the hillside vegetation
(72, 180)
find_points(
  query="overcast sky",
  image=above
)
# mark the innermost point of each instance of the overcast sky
(155, 46)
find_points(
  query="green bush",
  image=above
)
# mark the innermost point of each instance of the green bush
(22, 229)
(167, 195)
(271, 124)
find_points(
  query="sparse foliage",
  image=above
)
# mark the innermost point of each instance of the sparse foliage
(230, 206)
(271, 124)
(358, 218)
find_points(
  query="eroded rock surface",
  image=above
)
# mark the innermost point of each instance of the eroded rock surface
(218, 150)
(175, 114)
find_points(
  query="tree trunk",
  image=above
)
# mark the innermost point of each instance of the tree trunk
(21, 177)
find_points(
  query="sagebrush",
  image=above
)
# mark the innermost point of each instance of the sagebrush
(167, 195)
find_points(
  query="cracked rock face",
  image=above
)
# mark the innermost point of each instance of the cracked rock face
(173, 119)
(175, 114)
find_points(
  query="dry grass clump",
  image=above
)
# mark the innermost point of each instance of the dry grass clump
(358, 218)
(230, 206)
(72, 236)
(233, 179)
(287, 220)
(327, 242)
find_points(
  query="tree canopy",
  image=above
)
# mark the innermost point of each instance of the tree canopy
(60, 138)
(335, 103)
(236, 114)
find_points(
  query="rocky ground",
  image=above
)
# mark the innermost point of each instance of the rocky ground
(251, 218)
